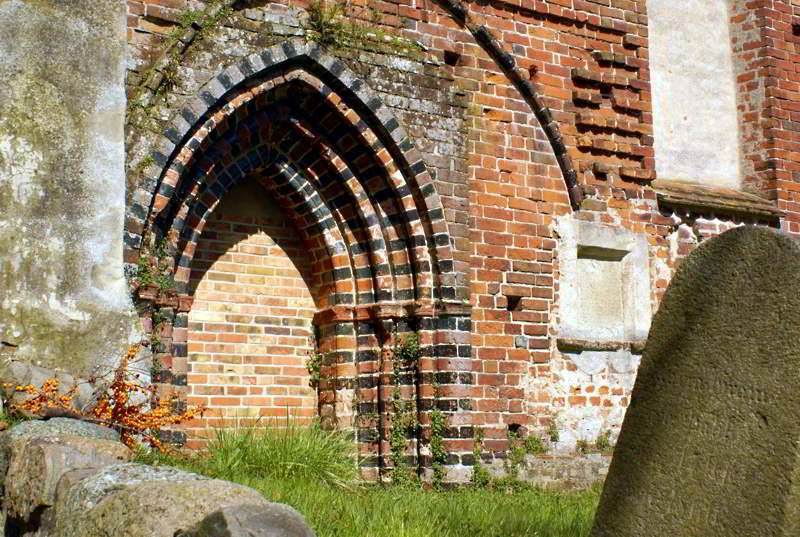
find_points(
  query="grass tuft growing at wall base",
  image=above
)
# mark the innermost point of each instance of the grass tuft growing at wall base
(313, 471)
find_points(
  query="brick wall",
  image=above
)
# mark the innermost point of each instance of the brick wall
(521, 113)
(766, 44)
(250, 327)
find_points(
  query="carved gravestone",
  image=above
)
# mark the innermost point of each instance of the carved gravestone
(709, 446)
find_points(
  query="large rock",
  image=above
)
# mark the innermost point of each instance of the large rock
(38, 464)
(142, 501)
(58, 427)
(52, 428)
(273, 520)
(709, 446)
(62, 182)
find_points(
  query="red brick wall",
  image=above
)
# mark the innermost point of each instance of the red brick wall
(250, 324)
(503, 176)
(766, 44)
(781, 50)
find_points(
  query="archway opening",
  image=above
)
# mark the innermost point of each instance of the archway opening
(361, 231)
(250, 329)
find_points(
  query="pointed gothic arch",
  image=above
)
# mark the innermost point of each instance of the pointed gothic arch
(322, 144)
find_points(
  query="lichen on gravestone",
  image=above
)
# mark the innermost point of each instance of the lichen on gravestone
(709, 446)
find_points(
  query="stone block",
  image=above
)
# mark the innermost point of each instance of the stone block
(62, 173)
(52, 428)
(605, 282)
(130, 500)
(37, 465)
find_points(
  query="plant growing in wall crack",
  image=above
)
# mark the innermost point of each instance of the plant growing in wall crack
(404, 422)
(331, 24)
(154, 271)
(438, 427)
(480, 475)
(162, 76)
(515, 457)
(438, 452)
(553, 429)
(157, 320)
(314, 367)
(326, 23)
(603, 442)
(518, 449)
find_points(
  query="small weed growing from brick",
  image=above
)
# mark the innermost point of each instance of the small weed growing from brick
(603, 442)
(404, 422)
(326, 22)
(154, 268)
(332, 24)
(438, 452)
(480, 475)
(552, 429)
(314, 367)
(534, 445)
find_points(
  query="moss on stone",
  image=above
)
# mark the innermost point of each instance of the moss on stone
(62, 65)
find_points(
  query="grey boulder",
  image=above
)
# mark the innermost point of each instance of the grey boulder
(142, 501)
(262, 520)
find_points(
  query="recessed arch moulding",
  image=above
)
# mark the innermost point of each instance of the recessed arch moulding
(322, 145)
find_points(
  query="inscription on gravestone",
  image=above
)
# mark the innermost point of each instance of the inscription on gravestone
(709, 446)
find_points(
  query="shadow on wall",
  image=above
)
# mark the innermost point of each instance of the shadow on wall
(251, 325)
(246, 211)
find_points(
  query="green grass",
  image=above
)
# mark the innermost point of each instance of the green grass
(311, 470)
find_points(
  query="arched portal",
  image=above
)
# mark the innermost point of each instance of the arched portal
(251, 322)
(301, 129)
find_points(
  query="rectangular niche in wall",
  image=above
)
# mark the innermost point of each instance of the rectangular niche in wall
(604, 283)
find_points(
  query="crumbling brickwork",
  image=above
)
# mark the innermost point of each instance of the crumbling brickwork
(425, 160)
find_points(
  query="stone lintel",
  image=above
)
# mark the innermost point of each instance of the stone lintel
(714, 199)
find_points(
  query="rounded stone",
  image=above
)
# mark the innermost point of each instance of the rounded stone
(37, 465)
(141, 501)
(271, 520)
(52, 428)
(59, 427)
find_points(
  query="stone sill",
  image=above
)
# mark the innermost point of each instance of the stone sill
(580, 345)
(712, 199)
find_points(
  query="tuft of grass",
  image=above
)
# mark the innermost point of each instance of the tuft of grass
(534, 445)
(286, 452)
(327, 22)
(603, 442)
(11, 418)
(313, 471)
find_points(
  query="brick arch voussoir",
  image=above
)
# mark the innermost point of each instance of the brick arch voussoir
(380, 287)
(310, 210)
(338, 176)
(486, 39)
(341, 271)
(308, 56)
(384, 185)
